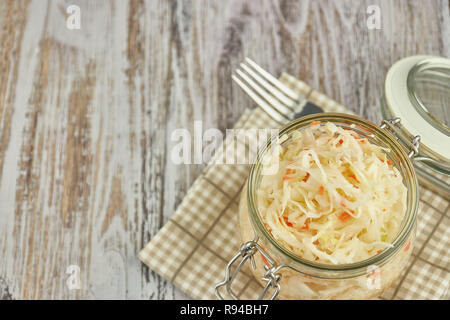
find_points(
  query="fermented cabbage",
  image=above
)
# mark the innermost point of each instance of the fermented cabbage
(336, 198)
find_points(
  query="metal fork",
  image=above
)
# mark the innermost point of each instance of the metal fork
(280, 102)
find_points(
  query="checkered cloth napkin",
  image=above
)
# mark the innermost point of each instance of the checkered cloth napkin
(194, 247)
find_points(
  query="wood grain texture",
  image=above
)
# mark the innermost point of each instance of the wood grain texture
(86, 116)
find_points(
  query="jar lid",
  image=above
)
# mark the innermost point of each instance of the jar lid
(417, 90)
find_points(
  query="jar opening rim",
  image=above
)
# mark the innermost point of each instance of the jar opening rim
(412, 194)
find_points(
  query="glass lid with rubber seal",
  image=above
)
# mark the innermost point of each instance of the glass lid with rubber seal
(417, 90)
(428, 85)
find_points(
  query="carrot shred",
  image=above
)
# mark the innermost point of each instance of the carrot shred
(321, 190)
(289, 224)
(265, 260)
(286, 176)
(389, 162)
(341, 141)
(379, 251)
(344, 216)
(354, 177)
(306, 177)
(314, 123)
(306, 225)
(407, 246)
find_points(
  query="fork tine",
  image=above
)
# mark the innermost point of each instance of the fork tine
(287, 101)
(281, 108)
(277, 83)
(259, 101)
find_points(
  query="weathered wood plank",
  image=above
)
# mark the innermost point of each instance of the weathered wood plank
(86, 115)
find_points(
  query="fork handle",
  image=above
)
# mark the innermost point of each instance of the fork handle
(309, 108)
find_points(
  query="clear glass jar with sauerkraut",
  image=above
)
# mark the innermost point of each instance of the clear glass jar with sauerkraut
(330, 209)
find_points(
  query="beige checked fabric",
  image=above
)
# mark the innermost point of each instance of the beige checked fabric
(194, 247)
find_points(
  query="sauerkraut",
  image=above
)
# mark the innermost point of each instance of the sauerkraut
(336, 198)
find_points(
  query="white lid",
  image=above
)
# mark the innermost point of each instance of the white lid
(435, 139)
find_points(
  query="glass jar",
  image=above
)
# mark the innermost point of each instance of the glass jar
(285, 274)
(417, 90)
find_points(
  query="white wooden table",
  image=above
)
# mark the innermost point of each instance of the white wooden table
(86, 116)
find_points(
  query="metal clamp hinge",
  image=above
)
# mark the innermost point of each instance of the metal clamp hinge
(394, 126)
(247, 252)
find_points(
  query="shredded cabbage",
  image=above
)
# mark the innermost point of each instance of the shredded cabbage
(335, 198)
